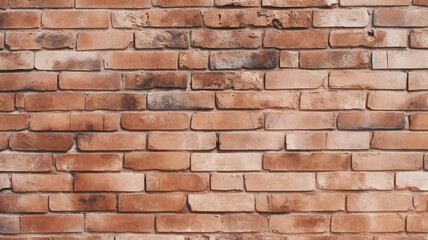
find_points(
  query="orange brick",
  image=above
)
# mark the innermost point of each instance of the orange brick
(9, 224)
(416, 181)
(367, 223)
(341, 18)
(300, 120)
(295, 79)
(306, 161)
(40, 40)
(150, 80)
(251, 141)
(55, 101)
(379, 202)
(419, 121)
(157, 18)
(244, 223)
(157, 160)
(226, 39)
(82, 202)
(115, 101)
(13, 121)
(16, 60)
(188, 223)
(370, 120)
(383, 100)
(400, 17)
(227, 182)
(41, 141)
(143, 60)
(418, 81)
(419, 39)
(157, 39)
(23, 203)
(115, 182)
(68, 61)
(299, 223)
(28, 81)
(371, 39)
(303, 3)
(88, 162)
(89, 81)
(257, 100)
(156, 121)
(25, 162)
(52, 223)
(75, 19)
(151, 202)
(181, 141)
(400, 140)
(227, 80)
(176, 182)
(296, 39)
(356, 3)
(111, 141)
(41, 4)
(227, 120)
(19, 20)
(333, 100)
(221, 202)
(113, 4)
(417, 223)
(4, 181)
(289, 59)
(242, 3)
(183, 3)
(109, 222)
(243, 60)
(104, 40)
(318, 59)
(197, 60)
(355, 181)
(368, 80)
(386, 161)
(280, 182)
(66, 121)
(226, 162)
(42, 183)
(420, 202)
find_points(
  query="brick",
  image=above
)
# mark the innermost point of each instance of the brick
(157, 39)
(25, 162)
(113, 4)
(183, 3)
(227, 120)
(195, 60)
(16, 60)
(151, 237)
(68, 61)
(156, 121)
(398, 237)
(151, 202)
(180, 100)
(166, 182)
(23, 203)
(419, 121)
(244, 223)
(341, 18)
(417, 223)
(181, 141)
(3, 141)
(3, 4)
(379, 202)
(415, 181)
(65, 19)
(225, 162)
(296, 39)
(289, 59)
(370, 120)
(397, 101)
(420, 202)
(306, 141)
(251, 141)
(227, 80)
(40, 40)
(104, 40)
(420, 2)
(111, 122)
(236, 18)
(306, 161)
(7, 102)
(143, 60)
(111, 141)
(4, 181)
(317, 59)
(109, 222)
(89, 81)
(42, 183)
(257, 100)
(355, 181)
(295, 79)
(357, 3)
(157, 161)
(418, 81)
(243, 59)
(115, 101)
(300, 202)
(9, 224)
(227, 182)
(368, 80)
(19, 20)
(66, 121)
(400, 140)
(150, 80)
(226, 39)
(157, 18)
(82, 202)
(277, 182)
(241, 3)
(112, 182)
(13, 121)
(28, 81)
(333, 100)
(371, 38)
(41, 4)
(88, 162)
(41, 141)
(188, 223)
(419, 39)
(221, 202)
(299, 223)
(348, 140)
(386, 161)
(54, 101)
(303, 3)
(300, 120)
(367, 223)
(400, 17)
(405, 60)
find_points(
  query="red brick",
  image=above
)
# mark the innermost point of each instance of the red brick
(289, 59)
(104, 40)
(41, 141)
(111, 141)
(25, 162)
(88, 162)
(197, 60)
(251, 141)
(68, 61)
(295, 79)
(333, 100)
(19, 20)
(13, 121)
(355, 181)
(40, 40)
(306, 141)
(303, 3)
(341, 18)
(420, 2)
(157, 160)
(226, 39)
(357, 3)
(296, 39)
(89, 81)
(113, 4)
(115, 101)
(300, 120)
(226, 162)
(227, 120)
(348, 140)
(151, 202)
(3, 4)
(386, 161)
(368, 80)
(150, 80)
(379, 202)
(306, 161)
(41, 4)
(257, 100)
(28, 81)
(66, 121)
(181, 141)
(417, 223)
(3, 141)
(156, 121)
(244, 223)
(157, 39)
(371, 38)
(16, 60)
(300, 202)
(82, 202)
(109, 222)
(243, 60)
(400, 17)
(277, 182)
(367, 223)
(397, 101)
(419, 121)
(142, 60)
(227, 80)
(221, 202)
(299, 223)
(227, 182)
(7, 102)
(418, 81)
(9, 224)
(75, 19)
(400, 140)
(42, 183)
(183, 3)
(4, 181)
(370, 120)
(188, 223)
(420, 202)
(23, 203)
(318, 59)
(166, 182)
(415, 181)
(419, 39)
(54, 101)
(112, 182)
(157, 18)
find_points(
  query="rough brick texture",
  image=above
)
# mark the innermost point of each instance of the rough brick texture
(213, 119)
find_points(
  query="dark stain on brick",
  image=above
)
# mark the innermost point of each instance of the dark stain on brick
(54, 40)
(129, 102)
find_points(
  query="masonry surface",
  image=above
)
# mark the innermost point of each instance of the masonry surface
(214, 119)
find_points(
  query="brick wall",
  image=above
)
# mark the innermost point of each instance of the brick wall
(214, 119)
